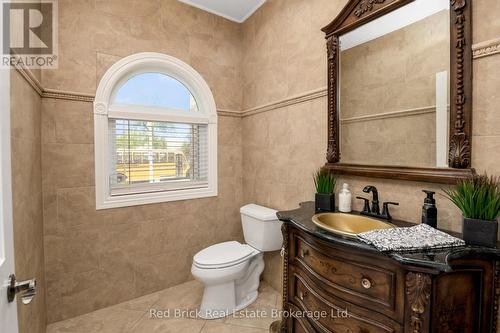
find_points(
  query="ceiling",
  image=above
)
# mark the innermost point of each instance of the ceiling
(234, 10)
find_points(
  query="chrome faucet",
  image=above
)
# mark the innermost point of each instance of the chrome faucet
(375, 208)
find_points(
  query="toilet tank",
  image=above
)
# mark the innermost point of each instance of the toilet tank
(261, 227)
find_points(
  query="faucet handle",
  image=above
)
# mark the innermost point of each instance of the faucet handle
(385, 210)
(366, 208)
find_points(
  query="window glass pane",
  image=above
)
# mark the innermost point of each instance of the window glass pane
(151, 153)
(155, 89)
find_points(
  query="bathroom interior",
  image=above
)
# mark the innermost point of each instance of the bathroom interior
(250, 166)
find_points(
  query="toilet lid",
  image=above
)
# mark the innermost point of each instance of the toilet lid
(223, 255)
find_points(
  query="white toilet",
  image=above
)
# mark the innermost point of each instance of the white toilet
(230, 271)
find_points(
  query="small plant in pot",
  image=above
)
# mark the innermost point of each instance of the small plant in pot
(325, 191)
(478, 197)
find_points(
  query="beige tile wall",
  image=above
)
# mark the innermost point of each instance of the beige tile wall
(284, 54)
(88, 28)
(408, 140)
(27, 199)
(395, 72)
(98, 258)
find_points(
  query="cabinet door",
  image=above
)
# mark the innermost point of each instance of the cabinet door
(459, 302)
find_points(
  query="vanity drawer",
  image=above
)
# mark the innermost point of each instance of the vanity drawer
(359, 279)
(334, 315)
(298, 327)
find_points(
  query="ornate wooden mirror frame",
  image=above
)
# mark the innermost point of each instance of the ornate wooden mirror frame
(359, 12)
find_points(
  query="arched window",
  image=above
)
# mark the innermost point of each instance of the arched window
(155, 124)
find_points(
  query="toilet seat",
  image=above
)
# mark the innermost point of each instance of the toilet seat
(223, 255)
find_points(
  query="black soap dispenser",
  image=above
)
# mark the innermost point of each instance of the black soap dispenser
(429, 210)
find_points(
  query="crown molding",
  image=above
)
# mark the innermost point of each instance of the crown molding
(228, 17)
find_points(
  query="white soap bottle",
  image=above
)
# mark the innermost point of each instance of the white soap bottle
(345, 199)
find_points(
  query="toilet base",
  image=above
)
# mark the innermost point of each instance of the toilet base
(223, 299)
(210, 313)
(251, 298)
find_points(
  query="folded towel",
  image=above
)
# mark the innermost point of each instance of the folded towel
(420, 237)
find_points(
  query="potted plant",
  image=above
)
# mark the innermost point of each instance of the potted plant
(325, 187)
(478, 197)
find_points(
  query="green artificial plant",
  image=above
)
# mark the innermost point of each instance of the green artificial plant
(324, 181)
(478, 197)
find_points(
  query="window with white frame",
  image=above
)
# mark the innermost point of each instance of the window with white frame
(155, 124)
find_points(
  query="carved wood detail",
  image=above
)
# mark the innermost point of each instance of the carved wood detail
(333, 152)
(460, 152)
(460, 145)
(496, 300)
(418, 291)
(366, 6)
(357, 13)
(284, 230)
(461, 297)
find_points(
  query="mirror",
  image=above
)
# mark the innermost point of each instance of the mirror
(394, 88)
(400, 90)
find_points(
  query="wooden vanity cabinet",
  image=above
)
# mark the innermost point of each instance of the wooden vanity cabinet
(335, 288)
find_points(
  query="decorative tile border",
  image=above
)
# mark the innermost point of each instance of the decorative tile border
(229, 113)
(81, 97)
(52, 93)
(31, 79)
(392, 114)
(88, 98)
(487, 48)
(67, 95)
(301, 98)
(479, 50)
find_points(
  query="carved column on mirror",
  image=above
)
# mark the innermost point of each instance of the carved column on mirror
(460, 143)
(333, 153)
(418, 292)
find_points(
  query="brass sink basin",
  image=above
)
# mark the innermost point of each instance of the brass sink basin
(348, 225)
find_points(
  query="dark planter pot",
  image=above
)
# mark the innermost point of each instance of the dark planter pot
(325, 202)
(480, 232)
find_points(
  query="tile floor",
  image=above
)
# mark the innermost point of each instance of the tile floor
(134, 316)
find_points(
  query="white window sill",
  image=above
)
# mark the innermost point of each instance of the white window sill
(151, 198)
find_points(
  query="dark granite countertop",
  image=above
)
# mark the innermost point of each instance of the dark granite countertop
(438, 259)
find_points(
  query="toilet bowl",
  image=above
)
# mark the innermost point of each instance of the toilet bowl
(230, 271)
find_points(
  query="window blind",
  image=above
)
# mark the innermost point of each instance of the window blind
(152, 156)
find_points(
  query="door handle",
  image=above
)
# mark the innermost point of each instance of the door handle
(25, 289)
